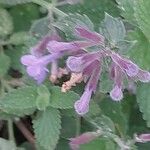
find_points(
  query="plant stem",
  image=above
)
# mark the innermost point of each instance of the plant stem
(43, 3)
(27, 134)
(11, 130)
(59, 12)
(78, 125)
(49, 6)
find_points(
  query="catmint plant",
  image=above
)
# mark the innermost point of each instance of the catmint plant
(74, 74)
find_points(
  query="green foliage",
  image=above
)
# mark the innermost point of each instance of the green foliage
(6, 24)
(40, 27)
(14, 2)
(103, 122)
(127, 9)
(19, 38)
(15, 54)
(142, 15)
(23, 15)
(94, 9)
(94, 109)
(113, 29)
(114, 111)
(7, 145)
(140, 51)
(68, 23)
(143, 91)
(47, 128)
(43, 98)
(68, 124)
(105, 83)
(99, 144)
(19, 102)
(4, 59)
(62, 100)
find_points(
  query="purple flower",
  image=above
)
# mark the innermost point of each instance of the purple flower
(90, 39)
(55, 46)
(142, 138)
(40, 48)
(36, 67)
(90, 67)
(126, 65)
(121, 68)
(116, 93)
(89, 35)
(82, 139)
(82, 105)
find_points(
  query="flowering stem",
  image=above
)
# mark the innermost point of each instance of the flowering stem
(49, 6)
(24, 131)
(11, 130)
(78, 125)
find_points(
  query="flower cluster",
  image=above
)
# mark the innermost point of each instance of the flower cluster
(83, 65)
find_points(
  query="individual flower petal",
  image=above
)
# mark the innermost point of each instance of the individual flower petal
(82, 105)
(79, 63)
(116, 93)
(40, 48)
(34, 70)
(54, 71)
(143, 76)
(41, 77)
(143, 138)
(89, 35)
(75, 64)
(55, 46)
(82, 139)
(128, 66)
(28, 60)
(132, 87)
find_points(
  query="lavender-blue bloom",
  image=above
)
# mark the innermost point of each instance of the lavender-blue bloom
(36, 67)
(90, 67)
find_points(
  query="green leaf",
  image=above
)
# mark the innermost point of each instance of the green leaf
(105, 83)
(142, 15)
(140, 51)
(125, 45)
(19, 101)
(143, 91)
(113, 29)
(15, 54)
(40, 27)
(6, 24)
(62, 100)
(67, 24)
(23, 16)
(7, 145)
(6, 116)
(4, 64)
(94, 109)
(19, 38)
(47, 128)
(94, 9)
(63, 145)
(127, 10)
(14, 2)
(68, 127)
(114, 111)
(99, 144)
(43, 98)
(103, 122)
